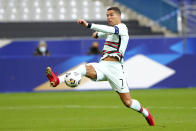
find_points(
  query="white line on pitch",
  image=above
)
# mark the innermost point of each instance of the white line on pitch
(83, 106)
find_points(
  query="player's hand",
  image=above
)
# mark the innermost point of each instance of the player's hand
(82, 22)
(94, 35)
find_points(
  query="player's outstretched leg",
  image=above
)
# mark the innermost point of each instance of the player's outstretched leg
(56, 80)
(81, 70)
(135, 105)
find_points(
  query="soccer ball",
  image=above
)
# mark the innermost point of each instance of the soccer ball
(72, 79)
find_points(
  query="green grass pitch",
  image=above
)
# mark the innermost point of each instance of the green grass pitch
(173, 110)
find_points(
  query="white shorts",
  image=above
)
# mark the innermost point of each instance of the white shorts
(112, 71)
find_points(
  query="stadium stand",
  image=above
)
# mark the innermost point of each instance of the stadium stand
(61, 29)
(48, 18)
(166, 17)
(187, 9)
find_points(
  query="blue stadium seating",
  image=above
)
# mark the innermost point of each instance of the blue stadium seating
(155, 10)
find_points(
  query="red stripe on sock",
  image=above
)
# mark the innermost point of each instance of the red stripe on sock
(141, 110)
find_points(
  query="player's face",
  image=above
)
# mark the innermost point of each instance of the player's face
(113, 17)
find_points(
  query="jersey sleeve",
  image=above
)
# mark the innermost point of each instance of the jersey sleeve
(122, 29)
(101, 35)
(117, 29)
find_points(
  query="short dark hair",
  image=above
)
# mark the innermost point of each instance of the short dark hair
(116, 9)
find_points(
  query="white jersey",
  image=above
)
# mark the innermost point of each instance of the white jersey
(116, 39)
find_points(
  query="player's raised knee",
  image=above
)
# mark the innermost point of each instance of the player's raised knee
(90, 72)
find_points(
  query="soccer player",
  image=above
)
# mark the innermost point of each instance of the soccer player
(110, 67)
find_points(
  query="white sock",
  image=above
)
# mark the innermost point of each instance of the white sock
(61, 78)
(137, 107)
(81, 69)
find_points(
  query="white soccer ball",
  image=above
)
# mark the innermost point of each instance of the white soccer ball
(72, 79)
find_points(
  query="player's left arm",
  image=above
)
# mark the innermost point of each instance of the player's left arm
(117, 29)
(97, 35)
(103, 28)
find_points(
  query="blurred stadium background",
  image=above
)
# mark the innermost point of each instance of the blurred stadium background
(161, 54)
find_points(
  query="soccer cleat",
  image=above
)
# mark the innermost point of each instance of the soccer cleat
(150, 119)
(54, 80)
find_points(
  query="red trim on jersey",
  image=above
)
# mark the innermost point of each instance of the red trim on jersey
(120, 55)
(112, 46)
(112, 43)
(103, 51)
(110, 52)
